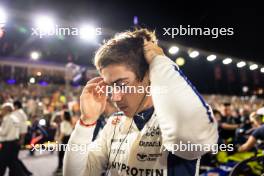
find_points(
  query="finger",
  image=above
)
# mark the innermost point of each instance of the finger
(99, 95)
(147, 50)
(95, 80)
(150, 46)
(147, 44)
(103, 97)
(102, 83)
(89, 87)
(101, 87)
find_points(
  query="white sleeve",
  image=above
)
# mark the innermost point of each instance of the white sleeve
(63, 127)
(90, 158)
(24, 126)
(183, 115)
(4, 128)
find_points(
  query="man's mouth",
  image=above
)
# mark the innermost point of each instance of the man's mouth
(123, 108)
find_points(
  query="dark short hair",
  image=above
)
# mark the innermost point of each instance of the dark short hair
(67, 116)
(215, 111)
(226, 104)
(18, 104)
(127, 49)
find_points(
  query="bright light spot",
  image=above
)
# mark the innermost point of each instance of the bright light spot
(32, 80)
(135, 20)
(3, 17)
(245, 89)
(227, 61)
(262, 70)
(45, 24)
(180, 61)
(211, 57)
(253, 67)
(88, 33)
(173, 50)
(42, 122)
(260, 91)
(35, 55)
(43, 83)
(241, 64)
(39, 73)
(11, 81)
(194, 54)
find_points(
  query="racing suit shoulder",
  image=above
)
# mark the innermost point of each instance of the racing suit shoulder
(182, 113)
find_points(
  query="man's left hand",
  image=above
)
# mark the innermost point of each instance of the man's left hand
(151, 50)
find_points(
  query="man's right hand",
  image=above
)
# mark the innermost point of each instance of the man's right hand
(93, 100)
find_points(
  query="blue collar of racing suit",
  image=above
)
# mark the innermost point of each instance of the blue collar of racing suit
(143, 117)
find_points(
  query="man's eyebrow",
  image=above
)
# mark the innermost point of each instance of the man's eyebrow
(118, 80)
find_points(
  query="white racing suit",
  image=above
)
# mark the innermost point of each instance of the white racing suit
(179, 116)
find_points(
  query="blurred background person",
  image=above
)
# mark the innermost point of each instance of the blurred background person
(228, 123)
(36, 134)
(256, 118)
(66, 129)
(9, 137)
(23, 128)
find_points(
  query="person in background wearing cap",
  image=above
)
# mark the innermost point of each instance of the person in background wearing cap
(258, 134)
(9, 135)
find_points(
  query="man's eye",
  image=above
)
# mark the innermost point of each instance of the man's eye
(124, 84)
(121, 86)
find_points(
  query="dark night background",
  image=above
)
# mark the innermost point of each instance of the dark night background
(245, 44)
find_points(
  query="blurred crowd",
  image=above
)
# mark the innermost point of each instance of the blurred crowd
(237, 117)
(49, 113)
(32, 115)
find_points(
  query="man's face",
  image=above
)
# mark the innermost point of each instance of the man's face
(121, 77)
(227, 111)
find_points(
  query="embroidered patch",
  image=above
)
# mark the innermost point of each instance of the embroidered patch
(116, 120)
